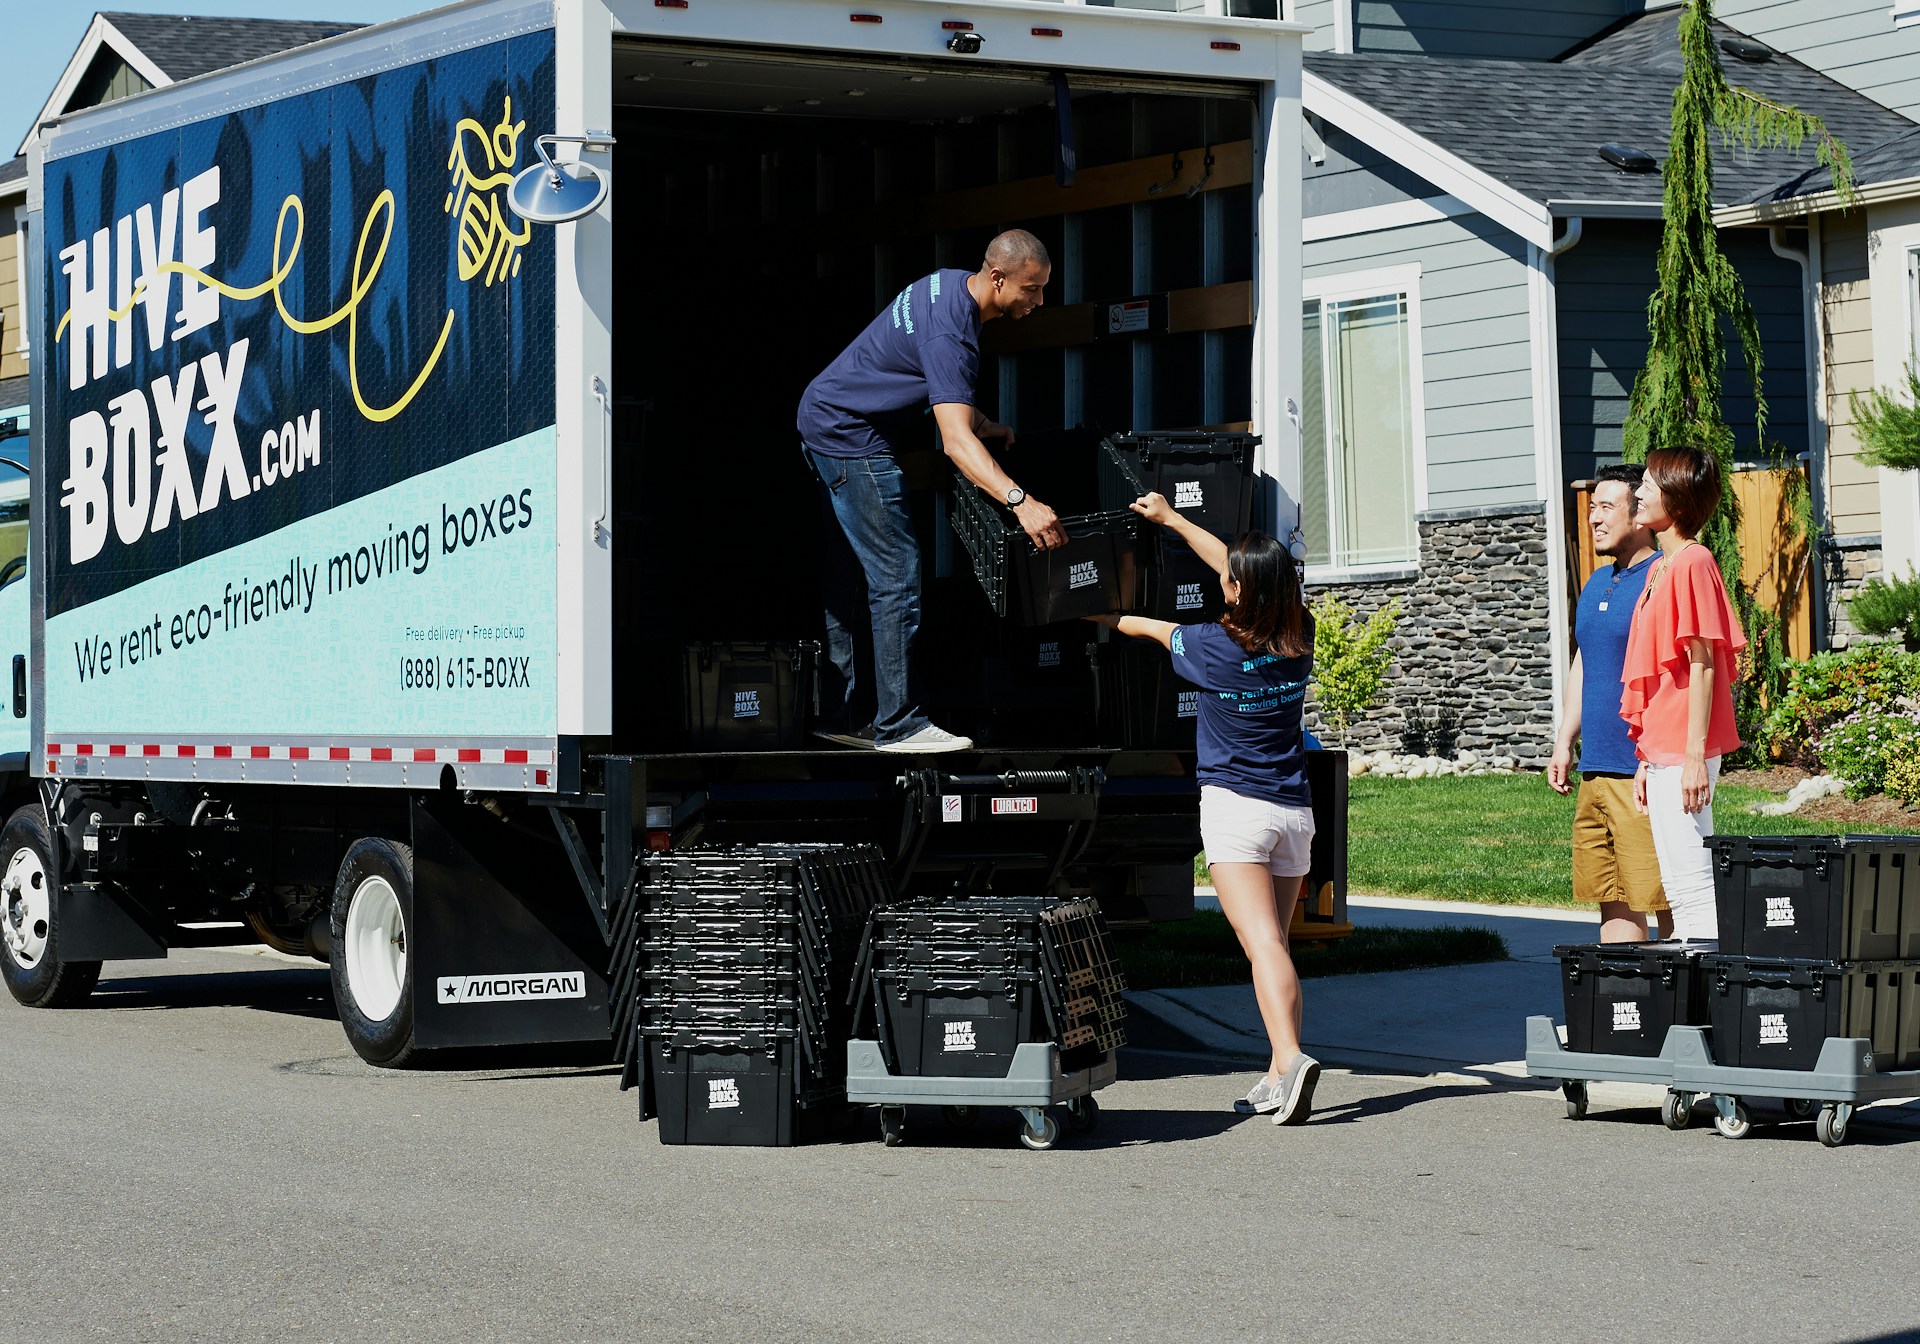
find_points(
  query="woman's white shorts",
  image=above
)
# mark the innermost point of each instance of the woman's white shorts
(1238, 829)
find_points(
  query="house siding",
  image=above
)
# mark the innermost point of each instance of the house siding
(1354, 176)
(1476, 365)
(1852, 41)
(12, 362)
(1517, 30)
(1846, 324)
(1319, 13)
(1602, 287)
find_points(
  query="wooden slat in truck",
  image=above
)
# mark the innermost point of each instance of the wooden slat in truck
(370, 519)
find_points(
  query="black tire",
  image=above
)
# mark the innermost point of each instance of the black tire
(385, 1041)
(1575, 1092)
(36, 978)
(1676, 1110)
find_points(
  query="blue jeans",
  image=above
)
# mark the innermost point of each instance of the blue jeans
(873, 585)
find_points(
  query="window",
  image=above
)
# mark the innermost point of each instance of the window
(1361, 425)
(14, 445)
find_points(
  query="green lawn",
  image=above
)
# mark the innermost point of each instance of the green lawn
(1495, 838)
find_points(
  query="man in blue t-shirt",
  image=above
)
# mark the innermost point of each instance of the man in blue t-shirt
(1614, 864)
(921, 352)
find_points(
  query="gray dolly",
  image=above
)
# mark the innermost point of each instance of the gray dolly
(1033, 1083)
(1841, 1080)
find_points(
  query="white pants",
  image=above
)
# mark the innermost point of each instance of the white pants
(1679, 839)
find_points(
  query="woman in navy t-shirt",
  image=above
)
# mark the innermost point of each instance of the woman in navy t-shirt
(1256, 814)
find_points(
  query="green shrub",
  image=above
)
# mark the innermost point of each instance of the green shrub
(1828, 687)
(1350, 659)
(1890, 607)
(1903, 779)
(1861, 747)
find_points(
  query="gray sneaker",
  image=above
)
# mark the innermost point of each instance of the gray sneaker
(1264, 1097)
(927, 740)
(859, 737)
(1296, 1087)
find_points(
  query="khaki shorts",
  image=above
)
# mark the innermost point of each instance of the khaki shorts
(1613, 854)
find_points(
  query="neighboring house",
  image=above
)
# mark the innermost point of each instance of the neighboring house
(120, 54)
(1866, 316)
(1477, 279)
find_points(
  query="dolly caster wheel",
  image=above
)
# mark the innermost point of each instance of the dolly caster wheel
(1676, 1110)
(1800, 1108)
(1832, 1124)
(1083, 1113)
(893, 1124)
(961, 1117)
(1575, 1091)
(1042, 1138)
(1734, 1123)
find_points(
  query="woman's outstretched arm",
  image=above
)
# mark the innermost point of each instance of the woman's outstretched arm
(1138, 627)
(1155, 509)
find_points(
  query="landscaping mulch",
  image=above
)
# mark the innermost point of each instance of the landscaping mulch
(1878, 813)
(1775, 779)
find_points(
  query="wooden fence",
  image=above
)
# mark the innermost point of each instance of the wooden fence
(1775, 564)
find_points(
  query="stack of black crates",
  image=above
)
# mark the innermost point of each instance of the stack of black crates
(745, 962)
(1819, 938)
(1207, 476)
(958, 984)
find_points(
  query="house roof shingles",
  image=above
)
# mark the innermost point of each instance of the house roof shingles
(185, 45)
(1895, 160)
(12, 171)
(1538, 126)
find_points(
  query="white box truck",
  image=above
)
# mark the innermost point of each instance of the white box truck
(374, 525)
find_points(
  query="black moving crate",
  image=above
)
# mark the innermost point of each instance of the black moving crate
(1181, 587)
(959, 984)
(743, 962)
(1776, 1014)
(1622, 997)
(1097, 571)
(1820, 897)
(1206, 475)
(1140, 702)
(748, 696)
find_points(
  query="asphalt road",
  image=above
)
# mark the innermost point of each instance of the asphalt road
(197, 1156)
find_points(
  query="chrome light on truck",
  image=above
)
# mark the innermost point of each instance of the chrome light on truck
(548, 192)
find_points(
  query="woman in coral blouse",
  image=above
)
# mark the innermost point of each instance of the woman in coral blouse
(1677, 684)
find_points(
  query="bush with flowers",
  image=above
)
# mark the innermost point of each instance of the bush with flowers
(1903, 779)
(1863, 746)
(1830, 687)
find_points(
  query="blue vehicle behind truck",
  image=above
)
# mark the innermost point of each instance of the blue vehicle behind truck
(368, 522)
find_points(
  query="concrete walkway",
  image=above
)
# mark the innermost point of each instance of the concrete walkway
(1452, 1019)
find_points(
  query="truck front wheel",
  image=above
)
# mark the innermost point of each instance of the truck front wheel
(372, 968)
(29, 926)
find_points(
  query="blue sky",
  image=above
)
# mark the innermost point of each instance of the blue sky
(41, 36)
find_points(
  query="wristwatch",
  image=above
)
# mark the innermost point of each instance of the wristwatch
(1016, 497)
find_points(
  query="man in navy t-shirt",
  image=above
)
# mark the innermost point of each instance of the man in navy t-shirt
(1614, 864)
(921, 352)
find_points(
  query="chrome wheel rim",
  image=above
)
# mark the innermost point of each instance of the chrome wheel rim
(26, 908)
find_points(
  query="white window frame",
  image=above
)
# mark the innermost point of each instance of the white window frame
(24, 346)
(1913, 286)
(1906, 13)
(1369, 284)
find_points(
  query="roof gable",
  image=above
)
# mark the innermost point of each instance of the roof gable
(1535, 128)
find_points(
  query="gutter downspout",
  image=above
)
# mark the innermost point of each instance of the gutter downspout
(1812, 338)
(1548, 462)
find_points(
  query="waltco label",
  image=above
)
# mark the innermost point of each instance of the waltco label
(511, 988)
(1016, 807)
(1780, 912)
(959, 1036)
(299, 420)
(723, 1093)
(1773, 1029)
(1626, 1016)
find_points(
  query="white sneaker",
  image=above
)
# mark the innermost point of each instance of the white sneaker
(927, 740)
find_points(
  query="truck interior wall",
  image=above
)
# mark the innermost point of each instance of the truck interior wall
(752, 246)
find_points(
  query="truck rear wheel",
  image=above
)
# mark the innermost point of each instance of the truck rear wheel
(372, 966)
(29, 922)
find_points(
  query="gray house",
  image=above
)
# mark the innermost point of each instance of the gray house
(1477, 278)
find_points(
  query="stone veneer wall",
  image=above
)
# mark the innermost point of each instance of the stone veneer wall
(1849, 562)
(1472, 634)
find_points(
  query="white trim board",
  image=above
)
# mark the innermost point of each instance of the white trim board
(1374, 218)
(1543, 314)
(1487, 195)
